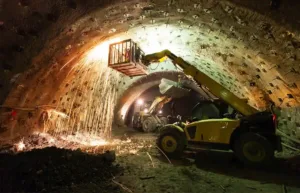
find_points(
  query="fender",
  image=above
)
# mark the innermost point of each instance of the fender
(171, 126)
(177, 128)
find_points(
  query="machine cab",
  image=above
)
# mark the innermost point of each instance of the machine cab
(126, 57)
(208, 124)
(212, 109)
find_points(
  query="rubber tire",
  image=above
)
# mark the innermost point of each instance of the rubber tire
(134, 123)
(149, 125)
(247, 137)
(179, 137)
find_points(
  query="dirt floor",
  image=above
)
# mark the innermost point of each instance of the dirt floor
(208, 172)
(205, 171)
(139, 167)
(57, 170)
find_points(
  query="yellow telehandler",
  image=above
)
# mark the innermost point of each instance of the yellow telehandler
(250, 134)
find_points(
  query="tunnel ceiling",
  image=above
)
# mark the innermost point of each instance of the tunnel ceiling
(249, 53)
(247, 47)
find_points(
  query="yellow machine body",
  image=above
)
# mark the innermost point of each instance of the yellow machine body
(211, 130)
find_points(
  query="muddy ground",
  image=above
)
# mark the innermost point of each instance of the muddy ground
(139, 167)
(204, 171)
(207, 172)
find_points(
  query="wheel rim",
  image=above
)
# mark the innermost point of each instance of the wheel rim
(169, 144)
(254, 151)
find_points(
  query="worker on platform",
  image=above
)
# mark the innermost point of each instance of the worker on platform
(127, 55)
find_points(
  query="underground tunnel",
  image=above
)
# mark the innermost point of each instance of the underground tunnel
(62, 97)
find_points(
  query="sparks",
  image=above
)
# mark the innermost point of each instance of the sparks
(51, 140)
(20, 146)
(98, 143)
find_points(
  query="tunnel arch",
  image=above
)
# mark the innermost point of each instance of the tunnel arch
(144, 83)
(233, 41)
(144, 9)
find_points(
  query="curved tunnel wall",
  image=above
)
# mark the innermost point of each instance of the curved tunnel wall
(253, 55)
(137, 88)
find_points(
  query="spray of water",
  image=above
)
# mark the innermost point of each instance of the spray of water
(87, 103)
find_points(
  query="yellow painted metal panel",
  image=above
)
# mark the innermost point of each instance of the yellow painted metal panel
(213, 130)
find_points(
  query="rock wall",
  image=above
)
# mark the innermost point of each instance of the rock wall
(249, 48)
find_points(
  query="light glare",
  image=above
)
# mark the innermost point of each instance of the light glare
(101, 51)
(61, 114)
(140, 102)
(20, 146)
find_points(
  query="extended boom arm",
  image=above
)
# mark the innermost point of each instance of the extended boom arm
(202, 79)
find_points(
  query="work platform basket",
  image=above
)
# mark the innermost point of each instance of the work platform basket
(126, 57)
